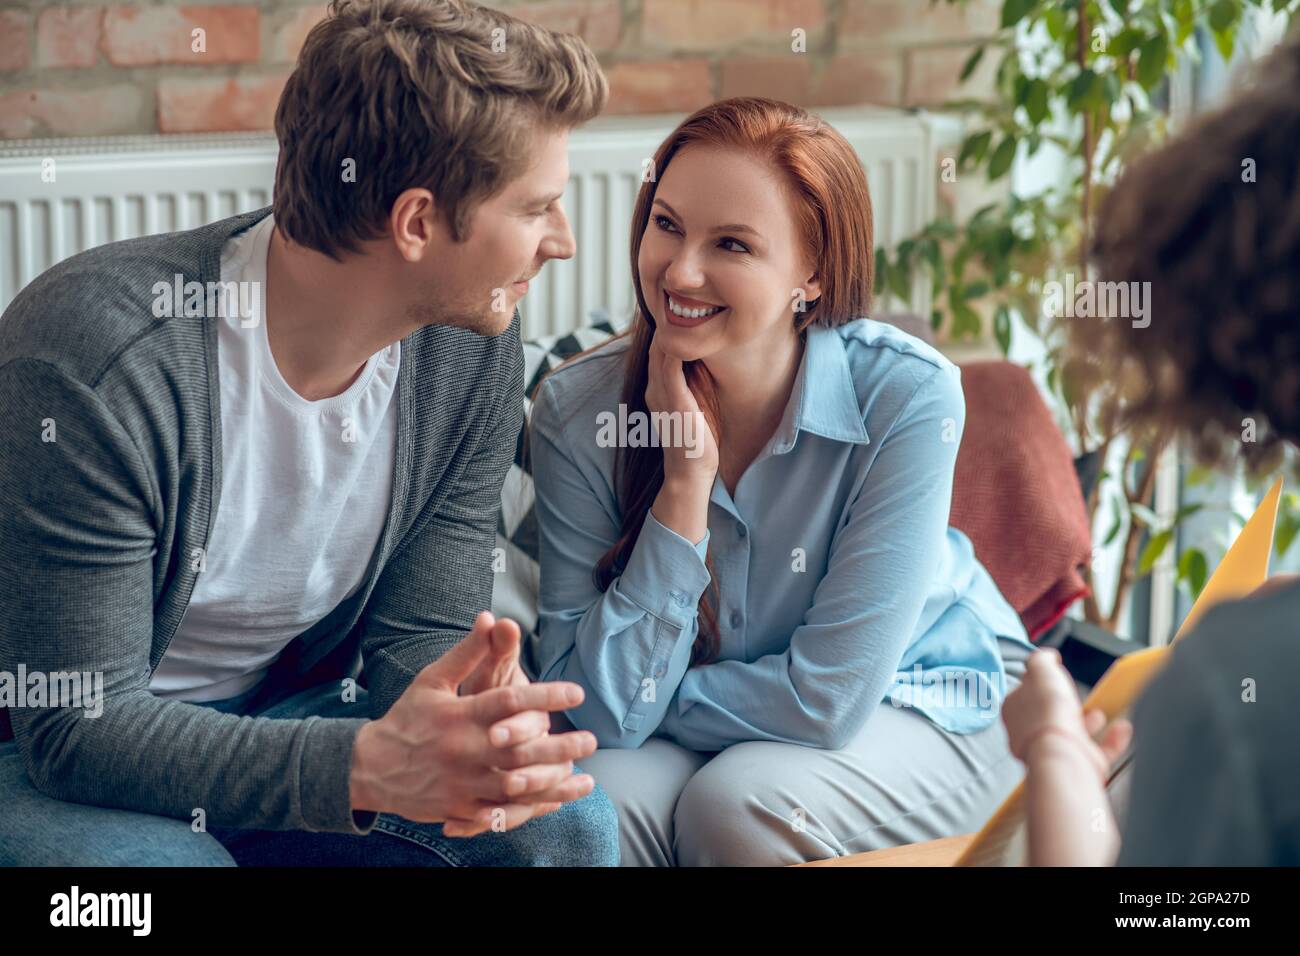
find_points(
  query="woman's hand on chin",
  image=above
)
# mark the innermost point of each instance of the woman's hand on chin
(689, 446)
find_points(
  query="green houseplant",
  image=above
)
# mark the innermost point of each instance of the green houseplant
(1087, 78)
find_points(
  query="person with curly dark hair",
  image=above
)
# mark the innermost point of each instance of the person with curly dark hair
(1212, 222)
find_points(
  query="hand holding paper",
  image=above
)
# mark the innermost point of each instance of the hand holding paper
(1004, 839)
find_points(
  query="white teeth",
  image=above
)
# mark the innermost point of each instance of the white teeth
(686, 313)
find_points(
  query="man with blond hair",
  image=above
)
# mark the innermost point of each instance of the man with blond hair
(250, 475)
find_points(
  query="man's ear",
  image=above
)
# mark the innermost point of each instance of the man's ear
(414, 222)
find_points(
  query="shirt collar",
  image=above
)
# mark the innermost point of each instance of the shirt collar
(823, 400)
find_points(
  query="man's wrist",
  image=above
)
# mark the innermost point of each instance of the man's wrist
(361, 794)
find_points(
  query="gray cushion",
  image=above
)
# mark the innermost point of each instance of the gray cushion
(514, 592)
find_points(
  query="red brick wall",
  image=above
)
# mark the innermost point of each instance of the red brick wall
(73, 68)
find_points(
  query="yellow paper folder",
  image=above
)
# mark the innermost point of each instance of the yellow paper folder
(1003, 841)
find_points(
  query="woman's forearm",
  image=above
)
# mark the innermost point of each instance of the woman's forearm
(683, 507)
(629, 647)
(1070, 821)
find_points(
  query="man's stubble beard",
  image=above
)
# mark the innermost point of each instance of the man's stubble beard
(462, 315)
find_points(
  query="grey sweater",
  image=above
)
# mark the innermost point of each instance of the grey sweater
(98, 527)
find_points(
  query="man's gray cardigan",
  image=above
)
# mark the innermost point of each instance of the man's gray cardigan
(99, 529)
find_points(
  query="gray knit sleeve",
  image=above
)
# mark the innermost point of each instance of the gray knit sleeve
(77, 534)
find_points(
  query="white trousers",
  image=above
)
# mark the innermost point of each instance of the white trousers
(902, 779)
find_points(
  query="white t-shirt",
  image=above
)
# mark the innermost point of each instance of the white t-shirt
(305, 491)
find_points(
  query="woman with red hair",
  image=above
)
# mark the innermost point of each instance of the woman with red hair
(743, 504)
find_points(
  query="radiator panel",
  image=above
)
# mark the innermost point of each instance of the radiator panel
(112, 188)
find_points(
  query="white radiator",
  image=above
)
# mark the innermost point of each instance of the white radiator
(112, 188)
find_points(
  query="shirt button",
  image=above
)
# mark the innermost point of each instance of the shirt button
(735, 619)
(661, 670)
(678, 598)
(741, 530)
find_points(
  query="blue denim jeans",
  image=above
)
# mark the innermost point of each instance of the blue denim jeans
(36, 830)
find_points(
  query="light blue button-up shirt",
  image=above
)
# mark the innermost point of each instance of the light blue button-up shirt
(841, 584)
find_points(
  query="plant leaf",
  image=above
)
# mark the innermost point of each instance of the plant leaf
(1193, 568)
(1151, 61)
(973, 148)
(1226, 40)
(1013, 11)
(1288, 524)
(1002, 157)
(1124, 43)
(1116, 525)
(1144, 514)
(1223, 14)
(900, 283)
(1036, 101)
(966, 321)
(943, 228)
(1155, 547)
(972, 61)
(1002, 328)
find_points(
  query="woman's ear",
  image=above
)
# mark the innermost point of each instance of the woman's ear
(812, 289)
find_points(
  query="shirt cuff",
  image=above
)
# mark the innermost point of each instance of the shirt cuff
(666, 574)
(324, 777)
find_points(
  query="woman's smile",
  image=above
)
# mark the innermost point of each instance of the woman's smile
(689, 312)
